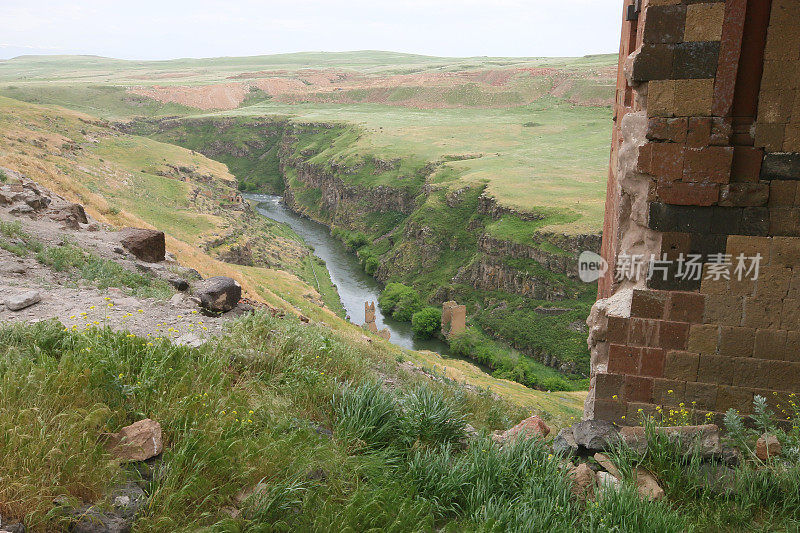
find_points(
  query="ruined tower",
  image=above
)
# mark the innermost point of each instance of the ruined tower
(700, 304)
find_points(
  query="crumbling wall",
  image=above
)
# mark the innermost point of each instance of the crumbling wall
(454, 318)
(705, 163)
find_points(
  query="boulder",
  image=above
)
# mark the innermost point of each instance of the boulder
(218, 294)
(146, 244)
(16, 527)
(767, 446)
(138, 442)
(646, 484)
(595, 435)
(22, 300)
(704, 439)
(532, 427)
(72, 215)
(126, 501)
(584, 480)
(564, 443)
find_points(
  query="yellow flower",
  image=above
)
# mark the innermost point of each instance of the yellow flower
(141, 311)
(249, 421)
(91, 307)
(250, 411)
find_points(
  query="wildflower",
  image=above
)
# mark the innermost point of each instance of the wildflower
(222, 412)
(614, 397)
(249, 421)
(107, 298)
(121, 376)
(141, 311)
(250, 411)
(670, 391)
(91, 307)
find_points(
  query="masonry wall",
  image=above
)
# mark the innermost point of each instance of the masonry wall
(705, 162)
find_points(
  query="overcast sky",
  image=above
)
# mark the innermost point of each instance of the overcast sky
(148, 29)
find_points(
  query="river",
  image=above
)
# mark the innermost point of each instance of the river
(354, 285)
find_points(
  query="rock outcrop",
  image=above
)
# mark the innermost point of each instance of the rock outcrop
(219, 294)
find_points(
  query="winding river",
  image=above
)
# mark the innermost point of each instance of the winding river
(354, 285)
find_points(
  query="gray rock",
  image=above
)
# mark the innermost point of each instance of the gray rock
(21, 210)
(17, 302)
(218, 294)
(564, 444)
(178, 283)
(16, 527)
(595, 435)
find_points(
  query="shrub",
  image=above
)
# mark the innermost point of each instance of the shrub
(367, 413)
(430, 419)
(400, 301)
(3, 177)
(427, 322)
(371, 265)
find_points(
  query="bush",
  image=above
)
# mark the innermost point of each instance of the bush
(427, 322)
(3, 177)
(400, 301)
(371, 265)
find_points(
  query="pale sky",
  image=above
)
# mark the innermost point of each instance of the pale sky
(165, 29)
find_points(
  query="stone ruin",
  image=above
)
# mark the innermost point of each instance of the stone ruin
(369, 322)
(454, 318)
(705, 163)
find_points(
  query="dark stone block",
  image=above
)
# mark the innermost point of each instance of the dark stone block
(672, 282)
(695, 60)
(726, 220)
(755, 221)
(662, 217)
(708, 243)
(654, 62)
(665, 24)
(781, 166)
(679, 218)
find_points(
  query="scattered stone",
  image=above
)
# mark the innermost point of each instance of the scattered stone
(218, 294)
(146, 244)
(23, 300)
(21, 210)
(138, 442)
(532, 427)
(646, 484)
(595, 435)
(704, 439)
(767, 446)
(15, 527)
(72, 215)
(564, 443)
(13, 268)
(584, 481)
(178, 283)
(607, 482)
(317, 474)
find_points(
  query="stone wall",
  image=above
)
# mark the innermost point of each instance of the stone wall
(705, 163)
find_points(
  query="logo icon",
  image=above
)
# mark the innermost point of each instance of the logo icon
(591, 267)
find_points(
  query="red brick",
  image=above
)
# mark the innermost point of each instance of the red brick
(744, 194)
(698, 133)
(668, 161)
(623, 359)
(746, 163)
(668, 392)
(686, 307)
(645, 160)
(653, 362)
(782, 193)
(711, 164)
(721, 131)
(617, 330)
(729, 53)
(648, 304)
(698, 194)
(638, 389)
(673, 335)
(667, 129)
(643, 332)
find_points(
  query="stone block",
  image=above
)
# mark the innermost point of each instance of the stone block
(770, 136)
(703, 338)
(760, 313)
(750, 246)
(721, 131)
(781, 166)
(623, 359)
(774, 282)
(667, 162)
(638, 389)
(668, 392)
(673, 335)
(693, 97)
(704, 22)
(709, 164)
(769, 344)
(699, 194)
(726, 220)
(680, 365)
(685, 307)
(744, 194)
(706, 244)
(736, 341)
(790, 314)
(791, 139)
(695, 60)
(715, 369)
(667, 129)
(793, 346)
(610, 410)
(780, 75)
(723, 309)
(785, 251)
(661, 99)
(652, 362)
(653, 62)
(698, 132)
(643, 332)
(746, 165)
(782, 193)
(608, 386)
(648, 304)
(665, 24)
(755, 221)
(617, 331)
(785, 221)
(775, 106)
(673, 244)
(644, 162)
(701, 395)
(733, 398)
